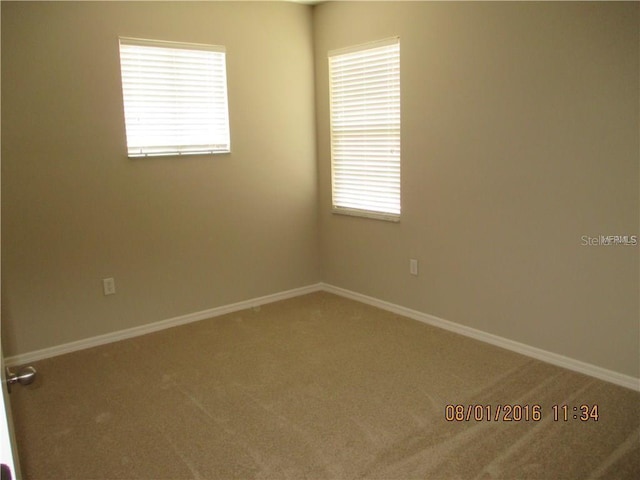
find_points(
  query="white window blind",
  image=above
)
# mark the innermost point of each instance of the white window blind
(175, 98)
(365, 129)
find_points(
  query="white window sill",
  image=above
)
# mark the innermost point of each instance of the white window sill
(353, 212)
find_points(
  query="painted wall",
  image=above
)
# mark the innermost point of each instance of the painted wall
(519, 136)
(179, 235)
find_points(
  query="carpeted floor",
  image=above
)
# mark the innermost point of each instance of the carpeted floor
(318, 387)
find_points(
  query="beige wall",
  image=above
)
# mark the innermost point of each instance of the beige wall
(519, 135)
(179, 235)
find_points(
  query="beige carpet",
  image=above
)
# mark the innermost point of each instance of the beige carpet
(316, 387)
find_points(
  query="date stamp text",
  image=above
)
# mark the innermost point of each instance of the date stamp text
(519, 413)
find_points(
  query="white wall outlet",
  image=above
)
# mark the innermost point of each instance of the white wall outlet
(413, 266)
(109, 286)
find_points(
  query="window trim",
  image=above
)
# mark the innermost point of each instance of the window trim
(356, 212)
(182, 149)
(345, 210)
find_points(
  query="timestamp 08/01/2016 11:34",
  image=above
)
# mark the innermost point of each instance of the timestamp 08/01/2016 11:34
(519, 412)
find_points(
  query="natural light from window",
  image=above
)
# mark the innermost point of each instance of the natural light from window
(365, 129)
(175, 98)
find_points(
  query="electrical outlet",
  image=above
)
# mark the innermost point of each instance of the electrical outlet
(109, 286)
(413, 266)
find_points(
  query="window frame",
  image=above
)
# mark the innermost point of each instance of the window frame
(338, 206)
(216, 123)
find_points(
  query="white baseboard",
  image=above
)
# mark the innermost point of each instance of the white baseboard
(533, 352)
(537, 353)
(155, 326)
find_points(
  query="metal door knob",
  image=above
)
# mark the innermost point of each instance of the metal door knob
(25, 376)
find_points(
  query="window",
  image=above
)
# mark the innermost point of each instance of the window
(175, 98)
(364, 85)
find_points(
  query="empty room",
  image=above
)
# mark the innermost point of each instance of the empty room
(323, 240)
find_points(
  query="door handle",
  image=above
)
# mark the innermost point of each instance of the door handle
(25, 376)
(5, 472)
